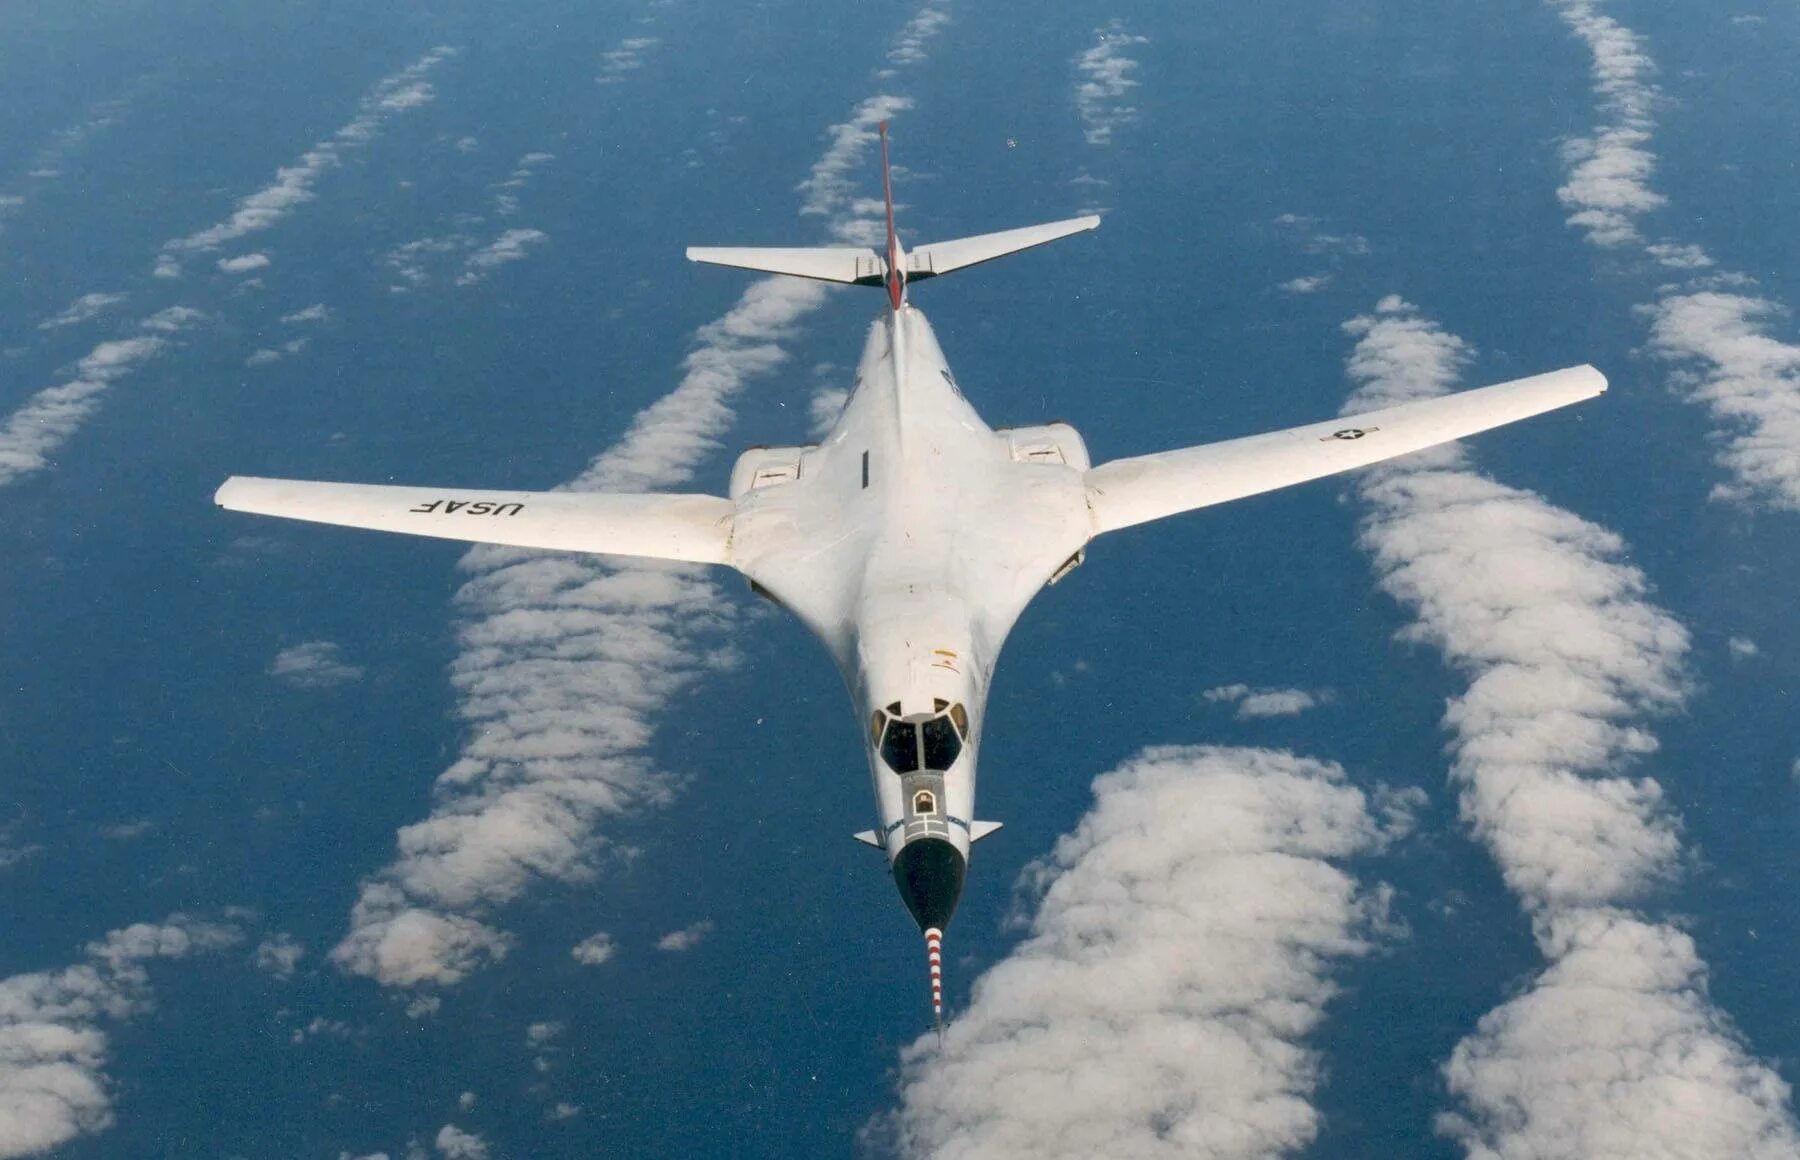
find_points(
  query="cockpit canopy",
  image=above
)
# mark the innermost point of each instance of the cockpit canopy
(921, 741)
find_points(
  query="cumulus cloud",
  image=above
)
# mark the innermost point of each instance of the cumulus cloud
(593, 950)
(1181, 953)
(1608, 180)
(1615, 1052)
(1727, 359)
(830, 189)
(49, 418)
(506, 201)
(83, 308)
(1566, 659)
(685, 939)
(910, 45)
(455, 1144)
(317, 312)
(627, 56)
(279, 955)
(1266, 702)
(315, 664)
(1742, 648)
(510, 246)
(263, 356)
(1103, 77)
(243, 263)
(1311, 236)
(53, 1049)
(1306, 284)
(293, 185)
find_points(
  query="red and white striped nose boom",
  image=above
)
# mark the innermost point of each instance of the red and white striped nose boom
(934, 954)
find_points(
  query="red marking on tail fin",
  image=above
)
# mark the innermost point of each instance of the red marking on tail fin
(896, 278)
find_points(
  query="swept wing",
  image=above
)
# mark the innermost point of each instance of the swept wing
(1148, 487)
(692, 528)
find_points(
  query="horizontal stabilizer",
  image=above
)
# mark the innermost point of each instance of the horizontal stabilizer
(928, 261)
(980, 830)
(849, 265)
(691, 528)
(868, 838)
(1148, 487)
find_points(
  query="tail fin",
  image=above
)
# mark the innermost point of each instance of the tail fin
(857, 266)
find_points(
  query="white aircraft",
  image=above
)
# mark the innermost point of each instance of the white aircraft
(912, 537)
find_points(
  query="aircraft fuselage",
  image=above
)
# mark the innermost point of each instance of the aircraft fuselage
(909, 540)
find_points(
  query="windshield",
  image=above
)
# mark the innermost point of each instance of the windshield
(932, 744)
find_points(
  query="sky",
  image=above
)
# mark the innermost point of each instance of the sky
(1444, 810)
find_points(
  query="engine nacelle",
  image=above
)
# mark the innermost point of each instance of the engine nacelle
(766, 467)
(1056, 443)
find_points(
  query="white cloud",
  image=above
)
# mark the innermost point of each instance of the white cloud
(562, 1111)
(49, 418)
(455, 1144)
(316, 664)
(1307, 232)
(1615, 1053)
(1566, 657)
(510, 246)
(593, 950)
(1306, 284)
(53, 1052)
(1742, 647)
(624, 57)
(1266, 702)
(1747, 378)
(1608, 180)
(910, 44)
(1679, 257)
(279, 955)
(1180, 955)
(293, 184)
(1103, 78)
(317, 312)
(539, 1035)
(243, 263)
(263, 356)
(685, 939)
(83, 308)
(172, 320)
(830, 190)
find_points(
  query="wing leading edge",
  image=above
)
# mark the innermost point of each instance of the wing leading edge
(1148, 487)
(691, 528)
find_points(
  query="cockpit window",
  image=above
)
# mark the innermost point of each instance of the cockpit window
(908, 746)
(941, 743)
(900, 748)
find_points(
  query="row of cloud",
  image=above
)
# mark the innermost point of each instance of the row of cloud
(53, 1042)
(1181, 952)
(567, 661)
(48, 419)
(1614, 1050)
(1718, 334)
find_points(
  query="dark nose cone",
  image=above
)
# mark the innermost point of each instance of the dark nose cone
(929, 872)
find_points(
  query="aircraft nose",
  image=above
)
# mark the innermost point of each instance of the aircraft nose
(929, 872)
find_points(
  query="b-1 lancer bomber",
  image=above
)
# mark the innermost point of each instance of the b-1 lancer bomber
(912, 536)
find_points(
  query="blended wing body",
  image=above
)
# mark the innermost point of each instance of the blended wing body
(1148, 487)
(691, 528)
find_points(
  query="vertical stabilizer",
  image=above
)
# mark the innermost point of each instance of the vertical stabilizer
(896, 261)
